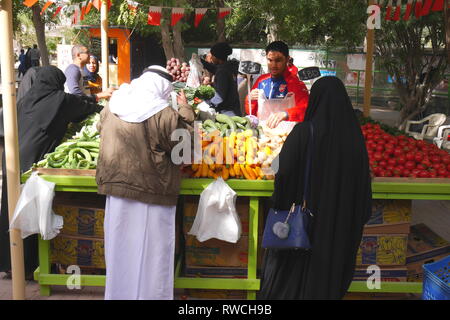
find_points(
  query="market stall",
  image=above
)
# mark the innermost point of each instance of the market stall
(252, 147)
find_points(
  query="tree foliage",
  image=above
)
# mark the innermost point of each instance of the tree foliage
(413, 53)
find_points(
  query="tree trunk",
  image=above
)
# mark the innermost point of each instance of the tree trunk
(220, 25)
(447, 28)
(166, 40)
(272, 29)
(40, 34)
(178, 46)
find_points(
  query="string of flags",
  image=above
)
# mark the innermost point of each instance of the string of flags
(418, 8)
(79, 10)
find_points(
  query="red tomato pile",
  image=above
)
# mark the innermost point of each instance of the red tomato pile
(402, 156)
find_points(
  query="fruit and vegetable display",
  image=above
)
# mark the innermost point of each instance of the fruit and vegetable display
(80, 151)
(179, 70)
(237, 147)
(402, 156)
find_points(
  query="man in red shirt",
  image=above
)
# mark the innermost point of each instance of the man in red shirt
(292, 68)
(277, 84)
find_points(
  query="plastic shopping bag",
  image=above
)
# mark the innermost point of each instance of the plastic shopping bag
(33, 213)
(216, 215)
(194, 79)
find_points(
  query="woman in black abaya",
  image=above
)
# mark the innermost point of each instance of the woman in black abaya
(43, 116)
(340, 198)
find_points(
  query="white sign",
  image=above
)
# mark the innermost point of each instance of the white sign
(64, 57)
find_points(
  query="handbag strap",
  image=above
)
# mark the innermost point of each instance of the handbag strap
(309, 155)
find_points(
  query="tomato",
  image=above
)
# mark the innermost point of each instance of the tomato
(424, 174)
(369, 135)
(446, 159)
(381, 141)
(402, 143)
(442, 172)
(382, 173)
(376, 137)
(409, 156)
(401, 159)
(410, 165)
(420, 166)
(379, 147)
(415, 171)
(433, 175)
(448, 167)
(406, 173)
(398, 152)
(436, 166)
(377, 156)
(418, 156)
(389, 150)
(435, 158)
(389, 145)
(392, 161)
(388, 173)
(426, 162)
(389, 168)
(383, 164)
(386, 156)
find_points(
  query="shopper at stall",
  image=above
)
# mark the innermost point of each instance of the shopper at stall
(43, 115)
(226, 99)
(340, 199)
(92, 78)
(277, 84)
(136, 173)
(75, 82)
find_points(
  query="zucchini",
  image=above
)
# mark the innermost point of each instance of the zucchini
(240, 120)
(209, 123)
(222, 118)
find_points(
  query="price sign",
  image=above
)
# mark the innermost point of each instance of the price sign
(309, 73)
(249, 67)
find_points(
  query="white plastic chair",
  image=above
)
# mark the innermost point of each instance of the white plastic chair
(442, 137)
(429, 130)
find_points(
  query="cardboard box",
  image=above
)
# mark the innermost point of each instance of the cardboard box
(398, 274)
(83, 214)
(389, 217)
(382, 250)
(424, 246)
(217, 253)
(190, 207)
(71, 250)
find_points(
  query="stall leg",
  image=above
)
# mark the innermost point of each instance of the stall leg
(253, 243)
(44, 265)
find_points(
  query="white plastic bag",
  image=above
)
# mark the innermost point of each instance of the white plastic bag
(216, 215)
(33, 213)
(194, 79)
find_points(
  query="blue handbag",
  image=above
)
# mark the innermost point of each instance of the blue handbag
(289, 229)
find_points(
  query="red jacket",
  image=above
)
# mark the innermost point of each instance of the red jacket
(293, 84)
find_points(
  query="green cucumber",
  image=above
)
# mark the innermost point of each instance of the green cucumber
(222, 118)
(240, 120)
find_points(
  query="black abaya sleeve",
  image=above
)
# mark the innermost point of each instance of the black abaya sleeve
(289, 179)
(76, 109)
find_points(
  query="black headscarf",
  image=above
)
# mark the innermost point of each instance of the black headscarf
(340, 199)
(45, 97)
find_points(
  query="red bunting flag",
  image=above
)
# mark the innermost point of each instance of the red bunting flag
(388, 11)
(199, 14)
(154, 16)
(409, 7)
(426, 7)
(46, 5)
(398, 11)
(30, 3)
(223, 12)
(132, 6)
(177, 14)
(418, 9)
(88, 7)
(97, 4)
(58, 10)
(438, 5)
(83, 10)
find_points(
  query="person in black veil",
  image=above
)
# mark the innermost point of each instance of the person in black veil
(43, 115)
(340, 199)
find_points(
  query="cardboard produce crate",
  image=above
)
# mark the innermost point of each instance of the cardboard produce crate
(388, 274)
(83, 214)
(81, 251)
(424, 246)
(382, 250)
(218, 253)
(389, 217)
